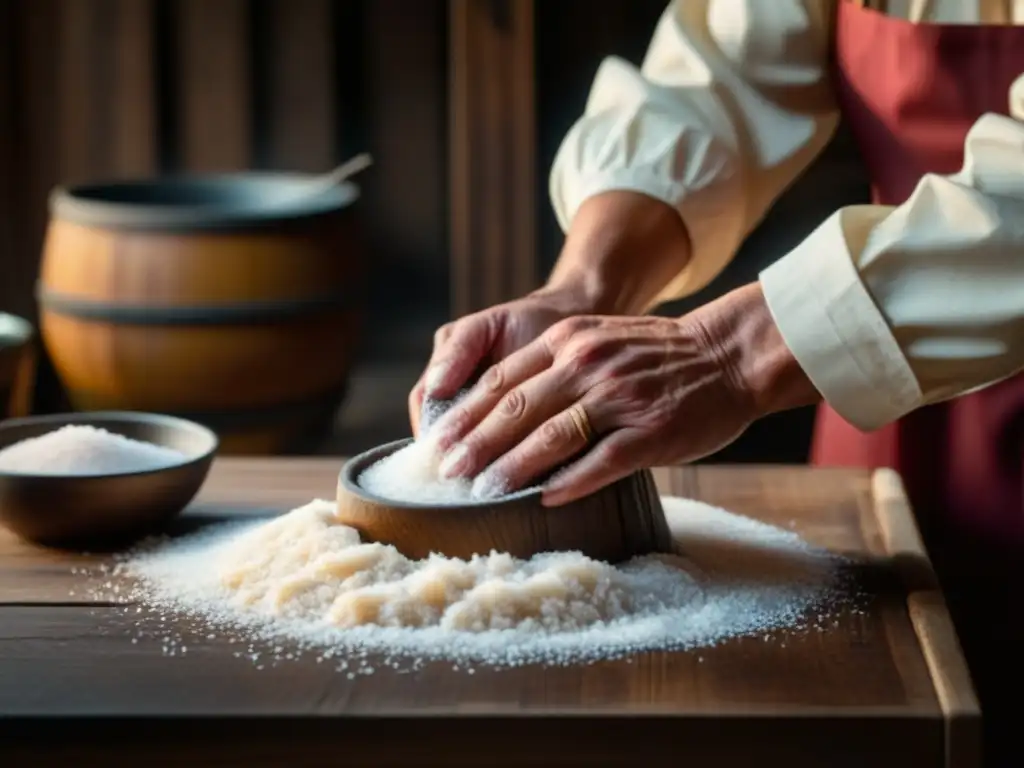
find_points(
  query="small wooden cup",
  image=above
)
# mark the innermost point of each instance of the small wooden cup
(621, 521)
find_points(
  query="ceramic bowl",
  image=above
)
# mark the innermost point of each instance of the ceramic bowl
(100, 512)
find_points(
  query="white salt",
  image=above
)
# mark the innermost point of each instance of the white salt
(413, 473)
(79, 449)
(306, 578)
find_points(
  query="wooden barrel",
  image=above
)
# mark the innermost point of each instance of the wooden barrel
(233, 301)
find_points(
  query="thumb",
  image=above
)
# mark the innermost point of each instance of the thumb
(460, 353)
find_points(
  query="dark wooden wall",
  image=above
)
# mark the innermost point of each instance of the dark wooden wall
(462, 102)
(110, 88)
(571, 42)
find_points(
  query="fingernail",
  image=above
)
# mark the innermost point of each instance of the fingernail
(435, 377)
(453, 462)
(489, 485)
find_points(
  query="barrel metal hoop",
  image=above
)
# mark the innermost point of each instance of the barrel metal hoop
(200, 314)
(247, 417)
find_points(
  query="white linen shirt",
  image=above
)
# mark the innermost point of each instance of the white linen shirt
(877, 324)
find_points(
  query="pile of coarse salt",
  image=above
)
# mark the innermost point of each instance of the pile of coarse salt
(80, 449)
(305, 578)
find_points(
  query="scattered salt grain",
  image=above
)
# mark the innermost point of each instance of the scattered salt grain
(305, 581)
(79, 449)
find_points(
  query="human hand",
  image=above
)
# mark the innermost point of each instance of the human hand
(621, 250)
(617, 394)
(466, 345)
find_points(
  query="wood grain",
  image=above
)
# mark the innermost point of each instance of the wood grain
(295, 365)
(400, 116)
(10, 268)
(215, 86)
(932, 623)
(35, 122)
(301, 109)
(492, 152)
(110, 88)
(879, 687)
(881, 675)
(620, 522)
(107, 90)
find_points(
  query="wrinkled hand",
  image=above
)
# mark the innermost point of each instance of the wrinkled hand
(655, 391)
(468, 344)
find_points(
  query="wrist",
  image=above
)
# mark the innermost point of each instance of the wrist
(576, 295)
(622, 249)
(764, 371)
(583, 291)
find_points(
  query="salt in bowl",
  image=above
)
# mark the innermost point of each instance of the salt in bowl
(104, 511)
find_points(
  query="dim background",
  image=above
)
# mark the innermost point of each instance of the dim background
(461, 102)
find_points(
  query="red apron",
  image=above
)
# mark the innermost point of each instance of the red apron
(910, 93)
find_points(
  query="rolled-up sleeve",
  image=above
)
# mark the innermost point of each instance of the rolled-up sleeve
(731, 104)
(888, 309)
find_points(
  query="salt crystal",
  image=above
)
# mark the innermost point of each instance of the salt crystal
(79, 449)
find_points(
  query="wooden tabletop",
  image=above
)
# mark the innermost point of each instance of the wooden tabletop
(886, 684)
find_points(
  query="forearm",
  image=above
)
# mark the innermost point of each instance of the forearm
(713, 130)
(621, 251)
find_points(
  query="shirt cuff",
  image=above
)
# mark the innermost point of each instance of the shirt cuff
(836, 333)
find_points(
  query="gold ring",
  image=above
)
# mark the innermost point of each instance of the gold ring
(581, 421)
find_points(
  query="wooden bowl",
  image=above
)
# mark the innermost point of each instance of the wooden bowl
(17, 366)
(621, 521)
(103, 512)
(226, 300)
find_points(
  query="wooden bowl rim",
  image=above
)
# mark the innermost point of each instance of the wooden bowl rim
(84, 203)
(357, 464)
(59, 420)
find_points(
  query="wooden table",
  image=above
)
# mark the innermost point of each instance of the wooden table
(886, 686)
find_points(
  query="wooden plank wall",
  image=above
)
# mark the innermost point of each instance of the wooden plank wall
(572, 38)
(10, 278)
(462, 102)
(493, 120)
(112, 88)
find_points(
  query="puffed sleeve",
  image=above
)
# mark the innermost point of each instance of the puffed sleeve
(731, 104)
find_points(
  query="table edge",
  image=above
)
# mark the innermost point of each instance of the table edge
(930, 619)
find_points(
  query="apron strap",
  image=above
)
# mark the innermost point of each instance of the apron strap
(882, 6)
(990, 11)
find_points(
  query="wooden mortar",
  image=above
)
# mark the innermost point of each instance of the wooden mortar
(619, 522)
